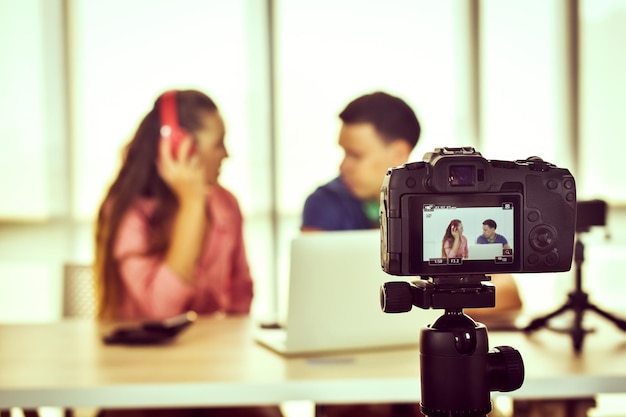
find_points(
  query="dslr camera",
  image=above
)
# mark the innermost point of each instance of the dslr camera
(451, 219)
(531, 202)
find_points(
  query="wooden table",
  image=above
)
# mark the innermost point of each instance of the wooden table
(217, 362)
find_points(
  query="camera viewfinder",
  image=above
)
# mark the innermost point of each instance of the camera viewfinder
(461, 175)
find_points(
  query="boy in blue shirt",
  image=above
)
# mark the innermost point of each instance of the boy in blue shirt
(490, 236)
(378, 131)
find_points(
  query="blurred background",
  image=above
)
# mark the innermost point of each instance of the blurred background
(511, 78)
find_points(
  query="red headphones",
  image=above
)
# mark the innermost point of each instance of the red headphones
(169, 120)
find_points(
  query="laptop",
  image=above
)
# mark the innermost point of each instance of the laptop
(484, 251)
(334, 298)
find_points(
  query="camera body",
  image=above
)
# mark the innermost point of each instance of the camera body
(453, 192)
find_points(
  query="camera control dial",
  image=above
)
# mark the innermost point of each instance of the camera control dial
(543, 238)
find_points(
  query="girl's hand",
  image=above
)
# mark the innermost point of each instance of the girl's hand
(184, 174)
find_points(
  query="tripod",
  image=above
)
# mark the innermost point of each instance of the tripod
(578, 302)
(457, 369)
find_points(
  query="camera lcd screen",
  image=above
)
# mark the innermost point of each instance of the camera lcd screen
(464, 234)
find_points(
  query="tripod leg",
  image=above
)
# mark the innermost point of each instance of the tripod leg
(578, 335)
(616, 320)
(541, 321)
(577, 331)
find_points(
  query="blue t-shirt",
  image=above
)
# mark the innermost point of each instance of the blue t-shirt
(498, 239)
(332, 207)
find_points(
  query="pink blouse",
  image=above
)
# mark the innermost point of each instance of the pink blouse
(221, 281)
(461, 252)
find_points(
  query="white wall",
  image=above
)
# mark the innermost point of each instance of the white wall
(603, 100)
(32, 127)
(524, 75)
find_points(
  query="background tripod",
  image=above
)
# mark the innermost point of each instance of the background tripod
(589, 213)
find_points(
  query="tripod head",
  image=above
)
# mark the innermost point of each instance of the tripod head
(447, 292)
(457, 369)
(590, 213)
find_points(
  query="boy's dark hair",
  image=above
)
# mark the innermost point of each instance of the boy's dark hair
(391, 116)
(492, 224)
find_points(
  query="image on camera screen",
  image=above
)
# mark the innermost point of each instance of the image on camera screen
(467, 235)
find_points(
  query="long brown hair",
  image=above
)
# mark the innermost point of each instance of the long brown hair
(138, 177)
(448, 237)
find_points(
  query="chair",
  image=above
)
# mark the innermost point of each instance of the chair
(79, 300)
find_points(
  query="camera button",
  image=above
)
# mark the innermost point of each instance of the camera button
(552, 258)
(569, 184)
(552, 184)
(533, 216)
(533, 259)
